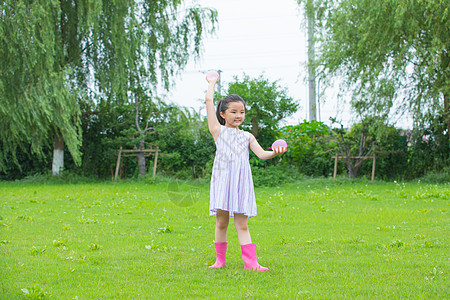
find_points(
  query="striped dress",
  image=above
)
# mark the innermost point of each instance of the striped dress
(231, 181)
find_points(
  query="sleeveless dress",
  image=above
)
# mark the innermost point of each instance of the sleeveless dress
(231, 181)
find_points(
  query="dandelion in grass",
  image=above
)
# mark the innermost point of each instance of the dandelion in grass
(60, 242)
(24, 218)
(95, 247)
(397, 244)
(166, 229)
(433, 274)
(34, 292)
(357, 240)
(153, 246)
(36, 250)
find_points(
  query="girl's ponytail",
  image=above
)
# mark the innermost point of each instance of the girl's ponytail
(218, 110)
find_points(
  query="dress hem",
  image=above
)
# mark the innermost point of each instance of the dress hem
(213, 212)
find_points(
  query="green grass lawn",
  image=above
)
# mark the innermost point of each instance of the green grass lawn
(321, 240)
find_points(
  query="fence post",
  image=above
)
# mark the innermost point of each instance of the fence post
(373, 168)
(156, 162)
(118, 164)
(335, 166)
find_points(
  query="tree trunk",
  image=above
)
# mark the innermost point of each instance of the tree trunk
(352, 165)
(58, 155)
(141, 159)
(352, 171)
(255, 127)
(350, 168)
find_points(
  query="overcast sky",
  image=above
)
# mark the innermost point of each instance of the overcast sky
(258, 37)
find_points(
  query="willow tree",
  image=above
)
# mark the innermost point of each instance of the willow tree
(57, 56)
(390, 52)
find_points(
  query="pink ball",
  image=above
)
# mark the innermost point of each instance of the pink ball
(212, 75)
(278, 143)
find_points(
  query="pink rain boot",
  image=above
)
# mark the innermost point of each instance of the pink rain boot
(221, 251)
(250, 259)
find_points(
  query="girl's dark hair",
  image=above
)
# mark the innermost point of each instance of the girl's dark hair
(224, 103)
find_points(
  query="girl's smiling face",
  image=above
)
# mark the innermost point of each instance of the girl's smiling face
(234, 115)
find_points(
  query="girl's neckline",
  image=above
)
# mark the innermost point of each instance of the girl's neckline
(236, 128)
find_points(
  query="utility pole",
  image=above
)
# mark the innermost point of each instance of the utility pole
(310, 15)
(219, 83)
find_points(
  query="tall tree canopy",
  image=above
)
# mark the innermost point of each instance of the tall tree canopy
(57, 55)
(268, 102)
(390, 50)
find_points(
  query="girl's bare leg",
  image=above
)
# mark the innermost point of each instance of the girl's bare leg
(222, 220)
(240, 222)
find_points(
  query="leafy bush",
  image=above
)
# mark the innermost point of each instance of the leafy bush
(429, 150)
(187, 151)
(391, 153)
(310, 148)
(275, 175)
(28, 164)
(437, 178)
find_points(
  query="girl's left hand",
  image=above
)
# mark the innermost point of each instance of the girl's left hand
(212, 76)
(279, 150)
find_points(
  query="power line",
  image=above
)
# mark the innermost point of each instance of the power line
(267, 17)
(275, 36)
(253, 55)
(228, 69)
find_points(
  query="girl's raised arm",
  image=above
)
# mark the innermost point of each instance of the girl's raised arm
(213, 123)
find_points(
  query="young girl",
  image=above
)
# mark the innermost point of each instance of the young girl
(232, 193)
